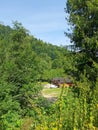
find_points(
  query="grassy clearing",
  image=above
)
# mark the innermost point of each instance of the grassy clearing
(52, 92)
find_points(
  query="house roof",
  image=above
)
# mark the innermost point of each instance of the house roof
(68, 80)
(62, 80)
(58, 79)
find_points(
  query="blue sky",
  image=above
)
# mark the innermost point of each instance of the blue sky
(45, 19)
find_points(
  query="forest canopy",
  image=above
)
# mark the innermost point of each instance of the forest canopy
(24, 62)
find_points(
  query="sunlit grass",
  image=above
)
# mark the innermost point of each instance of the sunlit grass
(54, 92)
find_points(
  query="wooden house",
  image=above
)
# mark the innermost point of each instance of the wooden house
(62, 82)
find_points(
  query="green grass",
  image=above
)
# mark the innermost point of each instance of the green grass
(52, 91)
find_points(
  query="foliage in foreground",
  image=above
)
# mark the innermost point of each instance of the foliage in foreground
(69, 112)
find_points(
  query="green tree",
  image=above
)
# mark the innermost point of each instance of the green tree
(83, 18)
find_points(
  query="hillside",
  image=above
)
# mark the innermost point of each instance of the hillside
(26, 63)
(46, 58)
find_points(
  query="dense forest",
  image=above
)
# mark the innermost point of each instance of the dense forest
(26, 63)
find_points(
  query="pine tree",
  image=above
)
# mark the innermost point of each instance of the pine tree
(83, 18)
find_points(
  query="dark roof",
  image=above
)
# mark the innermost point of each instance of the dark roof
(68, 80)
(58, 79)
(62, 80)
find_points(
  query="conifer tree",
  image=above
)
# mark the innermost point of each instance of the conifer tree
(83, 18)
